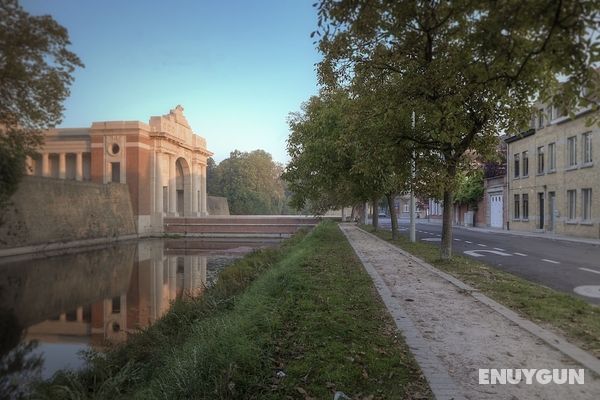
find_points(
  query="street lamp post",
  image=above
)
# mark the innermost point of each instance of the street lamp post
(412, 228)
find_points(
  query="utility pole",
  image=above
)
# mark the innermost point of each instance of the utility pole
(412, 228)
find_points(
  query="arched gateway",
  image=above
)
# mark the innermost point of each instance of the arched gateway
(163, 163)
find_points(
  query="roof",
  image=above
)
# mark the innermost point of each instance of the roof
(520, 136)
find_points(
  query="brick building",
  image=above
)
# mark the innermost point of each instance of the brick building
(553, 182)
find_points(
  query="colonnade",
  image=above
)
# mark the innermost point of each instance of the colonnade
(46, 168)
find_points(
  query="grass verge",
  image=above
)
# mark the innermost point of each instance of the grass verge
(571, 316)
(302, 321)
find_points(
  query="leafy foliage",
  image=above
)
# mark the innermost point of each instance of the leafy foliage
(35, 73)
(251, 182)
(470, 188)
(468, 69)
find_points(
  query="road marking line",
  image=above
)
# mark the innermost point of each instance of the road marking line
(550, 261)
(476, 253)
(458, 240)
(482, 245)
(520, 254)
(590, 270)
(499, 249)
(466, 241)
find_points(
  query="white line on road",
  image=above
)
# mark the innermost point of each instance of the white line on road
(458, 240)
(482, 245)
(590, 270)
(499, 249)
(466, 241)
(550, 261)
(520, 254)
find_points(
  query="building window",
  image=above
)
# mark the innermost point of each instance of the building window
(540, 160)
(115, 169)
(525, 163)
(558, 112)
(116, 305)
(540, 118)
(587, 147)
(525, 206)
(572, 204)
(517, 213)
(572, 151)
(586, 211)
(517, 165)
(551, 157)
(406, 208)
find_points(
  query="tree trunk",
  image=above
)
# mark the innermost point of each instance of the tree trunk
(390, 201)
(365, 213)
(446, 248)
(375, 213)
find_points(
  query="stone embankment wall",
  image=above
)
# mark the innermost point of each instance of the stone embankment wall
(47, 210)
(217, 205)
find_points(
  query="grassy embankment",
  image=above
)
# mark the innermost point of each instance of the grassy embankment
(307, 309)
(571, 316)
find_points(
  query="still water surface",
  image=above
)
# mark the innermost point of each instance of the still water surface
(57, 306)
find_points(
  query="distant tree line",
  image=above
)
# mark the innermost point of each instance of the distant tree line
(251, 182)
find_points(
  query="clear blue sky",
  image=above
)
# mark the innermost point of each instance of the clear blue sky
(237, 67)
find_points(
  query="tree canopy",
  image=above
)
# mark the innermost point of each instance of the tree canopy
(251, 182)
(36, 70)
(468, 69)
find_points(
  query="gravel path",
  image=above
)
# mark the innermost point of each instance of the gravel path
(459, 333)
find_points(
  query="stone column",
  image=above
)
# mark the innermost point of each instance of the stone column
(29, 166)
(172, 186)
(188, 275)
(158, 184)
(46, 164)
(62, 165)
(195, 189)
(203, 190)
(79, 167)
(172, 277)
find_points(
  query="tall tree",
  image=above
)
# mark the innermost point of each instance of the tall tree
(251, 183)
(467, 68)
(35, 74)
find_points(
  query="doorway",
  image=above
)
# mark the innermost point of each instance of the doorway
(551, 211)
(541, 210)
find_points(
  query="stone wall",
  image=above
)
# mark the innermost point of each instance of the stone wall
(47, 210)
(217, 205)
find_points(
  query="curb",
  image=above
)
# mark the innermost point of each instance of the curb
(561, 344)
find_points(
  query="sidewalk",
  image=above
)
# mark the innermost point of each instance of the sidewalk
(550, 236)
(453, 331)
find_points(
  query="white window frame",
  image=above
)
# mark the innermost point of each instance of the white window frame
(586, 144)
(551, 157)
(586, 204)
(572, 151)
(572, 205)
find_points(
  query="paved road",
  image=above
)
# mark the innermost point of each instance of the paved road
(565, 266)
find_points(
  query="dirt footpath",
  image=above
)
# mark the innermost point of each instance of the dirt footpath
(460, 333)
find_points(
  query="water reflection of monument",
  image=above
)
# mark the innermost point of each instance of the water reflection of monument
(156, 279)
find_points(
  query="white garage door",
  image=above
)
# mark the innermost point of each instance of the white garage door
(496, 211)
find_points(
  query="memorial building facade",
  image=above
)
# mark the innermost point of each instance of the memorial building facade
(163, 163)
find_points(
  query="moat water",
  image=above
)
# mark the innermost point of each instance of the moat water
(56, 306)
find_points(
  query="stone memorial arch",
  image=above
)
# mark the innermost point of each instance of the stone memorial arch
(163, 162)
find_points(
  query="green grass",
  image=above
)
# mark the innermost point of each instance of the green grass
(569, 315)
(307, 309)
